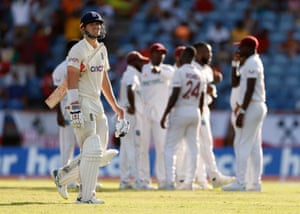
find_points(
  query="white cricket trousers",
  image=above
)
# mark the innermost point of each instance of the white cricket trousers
(67, 141)
(248, 144)
(206, 158)
(183, 126)
(128, 152)
(151, 130)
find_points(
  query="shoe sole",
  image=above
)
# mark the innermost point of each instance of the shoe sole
(89, 202)
(217, 184)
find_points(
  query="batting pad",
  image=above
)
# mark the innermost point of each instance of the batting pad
(70, 173)
(89, 166)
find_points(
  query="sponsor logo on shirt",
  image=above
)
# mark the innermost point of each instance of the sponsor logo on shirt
(192, 76)
(72, 59)
(97, 68)
(151, 82)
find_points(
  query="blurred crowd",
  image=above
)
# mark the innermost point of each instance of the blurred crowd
(33, 35)
(276, 24)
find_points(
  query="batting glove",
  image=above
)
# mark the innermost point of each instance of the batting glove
(76, 117)
(122, 128)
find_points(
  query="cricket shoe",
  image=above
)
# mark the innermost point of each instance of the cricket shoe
(184, 186)
(221, 180)
(62, 189)
(167, 186)
(93, 200)
(144, 186)
(125, 185)
(202, 186)
(254, 188)
(108, 156)
(234, 187)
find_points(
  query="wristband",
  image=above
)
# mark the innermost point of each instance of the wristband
(73, 95)
(235, 64)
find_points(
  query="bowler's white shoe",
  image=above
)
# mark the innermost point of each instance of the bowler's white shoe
(184, 186)
(93, 200)
(125, 185)
(202, 186)
(254, 188)
(108, 156)
(167, 186)
(62, 189)
(234, 187)
(221, 180)
(144, 186)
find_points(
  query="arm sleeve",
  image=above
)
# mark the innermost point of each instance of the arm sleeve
(74, 58)
(167, 72)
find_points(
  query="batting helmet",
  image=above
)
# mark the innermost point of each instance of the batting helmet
(90, 17)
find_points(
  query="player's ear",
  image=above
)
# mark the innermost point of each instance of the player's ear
(82, 26)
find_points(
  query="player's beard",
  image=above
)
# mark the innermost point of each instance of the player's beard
(100, 35)
(205, 61)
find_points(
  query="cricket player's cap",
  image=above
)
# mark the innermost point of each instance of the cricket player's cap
(178, 50)
(91, 16)
(133, 56)
(158, 47)
(248, 41)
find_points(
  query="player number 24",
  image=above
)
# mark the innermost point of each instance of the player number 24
(193, 90)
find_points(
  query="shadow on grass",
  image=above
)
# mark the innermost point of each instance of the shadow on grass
(28, 188)
(27, 203)
(53, 189)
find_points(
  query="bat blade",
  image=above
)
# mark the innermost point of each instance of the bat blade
(57, 95)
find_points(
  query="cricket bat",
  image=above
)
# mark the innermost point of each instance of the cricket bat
(57, 95)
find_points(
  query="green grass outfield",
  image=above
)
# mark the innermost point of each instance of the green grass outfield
(40, 196)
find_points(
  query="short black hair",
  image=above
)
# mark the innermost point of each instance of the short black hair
(188, 55)
(200, 45)
(70, 44)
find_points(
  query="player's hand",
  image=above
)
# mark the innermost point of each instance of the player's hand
(236, 56)
(163, 122)
(130, 110)
(76, 117)
(237, 109)
(240, 120)
(60, 120)
(119, 111)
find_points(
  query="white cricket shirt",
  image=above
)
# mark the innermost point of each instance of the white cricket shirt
(156, 88)
(252, 68)
(191, 84)
(131, 76)
(92, 65)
